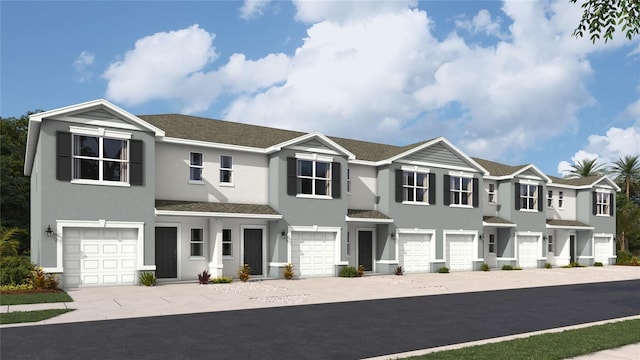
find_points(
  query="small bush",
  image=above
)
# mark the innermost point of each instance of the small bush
(624, 257)
(398, 271)
(42, 280)
(244, 273)
(222, 280)
(15, 270)
(634, 261)
(147, 278)
(507, 267)
(349, 272)
(4, 288)
(484, 267)
(597, 263)
(443, 270)
(288, 272)
(203, 277)
(360, 270)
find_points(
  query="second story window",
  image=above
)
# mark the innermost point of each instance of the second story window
(415, 186)
(528, 197)
(602, 203)
(100, 159)
(560, 199)
(491, 194)
(195, 166)
(226, 168)
(314, 177)
(550, 198)
(349, 180)
(461, 189)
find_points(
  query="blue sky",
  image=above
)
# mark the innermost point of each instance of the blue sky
(504, 81)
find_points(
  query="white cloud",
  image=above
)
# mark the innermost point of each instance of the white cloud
(81, 65)
(482, 22)
(346, 11)
(252, 8)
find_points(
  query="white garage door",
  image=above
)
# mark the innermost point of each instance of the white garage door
(414, 252)
(99, 257)
(313, 253)
(460, 252)
(528, 251)
(602, 250)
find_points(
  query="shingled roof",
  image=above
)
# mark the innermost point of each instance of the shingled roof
(580, 181)
(233, 133)
(213, 207)
(566, 223)
(498, 169)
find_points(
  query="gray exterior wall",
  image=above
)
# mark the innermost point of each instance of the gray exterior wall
(439, 216)
(60, 200)
(584, 209)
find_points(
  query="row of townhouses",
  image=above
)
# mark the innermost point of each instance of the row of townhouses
(113, 195)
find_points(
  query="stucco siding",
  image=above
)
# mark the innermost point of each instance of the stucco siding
(363, 187)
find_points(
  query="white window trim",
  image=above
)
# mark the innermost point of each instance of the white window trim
(314, 157)
(201, 167)
(313, 177)
(492, 193)
(230, 183)
(550, 199)
(415, 171)
(196, 257)
(76, 130)
(550, 244)
(526, 196)
(451, 190)
(102, 134)
(495, 244)
(561, 200)
(599, 204)
(348, 180)
(230, 242)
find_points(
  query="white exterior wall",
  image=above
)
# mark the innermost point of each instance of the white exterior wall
(363, 187)
(250, 176)
(568, 210)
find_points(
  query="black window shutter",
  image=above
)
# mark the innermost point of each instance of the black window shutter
(517, 193)
(336, 180)
(136, 164)
(594, 206)
(611, 204)
(292, 179)
(476, 193)
(399, 195)
(540, 190)
(63, 158)
(447, 190)
(432, 189)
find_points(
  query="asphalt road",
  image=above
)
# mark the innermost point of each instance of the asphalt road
(348, 330)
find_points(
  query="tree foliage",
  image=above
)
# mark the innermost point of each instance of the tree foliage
(585, 168)
(627, 172)
(601, 17)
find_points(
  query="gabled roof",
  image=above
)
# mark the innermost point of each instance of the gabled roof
(502, 171)
(584, 182)
(67, 114)
(199, 208)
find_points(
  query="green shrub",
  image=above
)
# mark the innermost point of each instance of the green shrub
(203, 277)
(349, 272)
(624, 257)
(507, 267)
(547, 266)
(244, 272)
(484, 267)
(15, 287)
(634, 261)
(288, 272)
(597, 263)
(222, 280)
(15, 270)
(147, 279)
(42, 280)
(443, 270)
(398, 271)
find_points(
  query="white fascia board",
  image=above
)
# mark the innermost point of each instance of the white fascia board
(305, 137)
(535, 169)
(206, 144)
(569, 227)
(447, 144)
(369, 220)
(218, 215)
(498, 225)
(607, 179)
(364, 162)
(33, 133)
(498, 178)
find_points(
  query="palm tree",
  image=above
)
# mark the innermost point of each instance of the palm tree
(627, 170)
(585, 168)
(9, 245)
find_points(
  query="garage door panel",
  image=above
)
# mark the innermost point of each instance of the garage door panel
(100, 257)
(460, 252)
(312, 253)
(414, 251)
(602, 250)
(528, 251)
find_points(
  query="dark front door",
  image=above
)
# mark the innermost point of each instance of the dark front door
(253, 250)
(572, 247)
(166, 252)
(365, 249)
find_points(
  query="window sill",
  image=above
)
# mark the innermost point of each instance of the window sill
(227, 185)
(101, 183)
(319, 197)
(227, 257)
(529, 210)
(461, 206)
(196, 182)
(419, 203)
(193, 258)
(603, 215)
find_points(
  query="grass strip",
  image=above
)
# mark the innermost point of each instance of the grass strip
(15, 317)
(561, 345)
(34, 298)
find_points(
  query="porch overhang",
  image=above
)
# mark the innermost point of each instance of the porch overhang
(496, 221)
(567, 225)
(368, 216)
(211, 209)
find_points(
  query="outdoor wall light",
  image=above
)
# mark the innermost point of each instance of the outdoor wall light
(49, 232)
(283, 233)
(393, 235)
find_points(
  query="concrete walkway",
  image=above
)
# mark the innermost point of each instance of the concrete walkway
(120, 302)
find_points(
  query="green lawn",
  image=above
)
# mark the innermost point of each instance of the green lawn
(30, 316)
(562, 345)
(34, 298)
